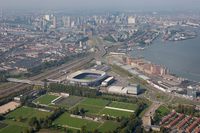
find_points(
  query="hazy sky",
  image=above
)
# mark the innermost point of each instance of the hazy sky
(102, 4)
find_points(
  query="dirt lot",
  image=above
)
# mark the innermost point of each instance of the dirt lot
(8, 106)
(69, 101)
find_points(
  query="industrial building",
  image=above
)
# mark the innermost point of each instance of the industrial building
(133, 89)
(107, 81)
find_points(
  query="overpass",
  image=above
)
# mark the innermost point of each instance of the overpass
(25, 81)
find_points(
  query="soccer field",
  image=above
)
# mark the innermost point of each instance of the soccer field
(95, 102)
(71, 122)
(122, 105)
(17, 120)
(104, 107)
(45, 99)
(12, 129)
(93, 106)
(27, 113)
(108, 126)
(115, 113)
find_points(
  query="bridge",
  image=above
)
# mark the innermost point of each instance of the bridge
(25, 81)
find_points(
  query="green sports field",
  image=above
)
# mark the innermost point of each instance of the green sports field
(95, 102)
(93, 106)
(90, 109)
(122, 105)
(17, 120)
(115, 113)
(26, 113)
(71, 122)
(97, 107)
(12, 129)
(45, 99)
(108, 126)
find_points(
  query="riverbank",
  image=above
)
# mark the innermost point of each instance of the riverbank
(182, 58)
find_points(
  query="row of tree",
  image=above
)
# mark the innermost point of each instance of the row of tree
(37, 124)
(74, 90)
(187, 109)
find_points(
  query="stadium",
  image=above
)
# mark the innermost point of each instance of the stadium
(87, 77)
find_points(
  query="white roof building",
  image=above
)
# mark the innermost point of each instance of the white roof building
(117, 89)
(133, 89)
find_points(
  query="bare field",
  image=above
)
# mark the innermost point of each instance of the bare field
(70, 101)
(8, 106)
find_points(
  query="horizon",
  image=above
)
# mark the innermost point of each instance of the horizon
(153, 5)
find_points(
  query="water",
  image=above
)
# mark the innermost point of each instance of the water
(181, 57)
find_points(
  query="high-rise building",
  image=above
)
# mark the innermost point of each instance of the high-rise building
(1, 14)
(72, 24)
(131, 20)
(66, 21)
(54, 24)
(191, 92)
(47, 17)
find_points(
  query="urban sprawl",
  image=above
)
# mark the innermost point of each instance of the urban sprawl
(61, 72)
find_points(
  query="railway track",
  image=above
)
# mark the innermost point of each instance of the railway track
(49, 74)
(54, 73)
(72, 66)
(56, 70)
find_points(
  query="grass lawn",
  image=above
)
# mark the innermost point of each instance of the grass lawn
(93, 106)
(97, 107)
(163, 111)
(17, 123)
(50, 131)
(115, 113)
(90, 109)
(12, 129)
(45, 99)
(123, 105)
(95, 102)
(26, 113)
(72, 122)
(108, 126)
(3, 125)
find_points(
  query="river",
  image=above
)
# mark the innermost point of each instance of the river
(180, 57)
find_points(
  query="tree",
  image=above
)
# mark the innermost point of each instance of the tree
(82, 111)
(83, 129)
(69, 131)
(96, 131)
(1, 117)
(32, 121)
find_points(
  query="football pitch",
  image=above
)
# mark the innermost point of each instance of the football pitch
(45, 99)
(104, 107)
(76, 123)
(27, 113)
(17, 120)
